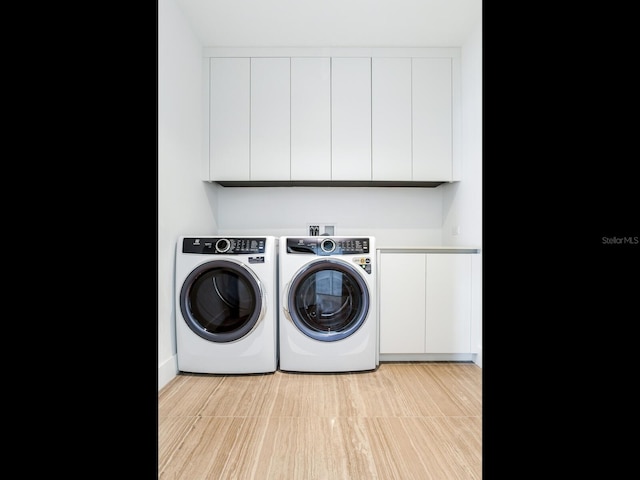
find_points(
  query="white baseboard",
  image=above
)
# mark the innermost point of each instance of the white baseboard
(167, 371)
(426, 357)
(477, 358)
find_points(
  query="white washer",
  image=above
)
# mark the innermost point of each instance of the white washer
(226, 304)
(327, 315)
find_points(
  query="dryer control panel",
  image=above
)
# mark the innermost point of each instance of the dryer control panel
(328, 245)
(224, 246)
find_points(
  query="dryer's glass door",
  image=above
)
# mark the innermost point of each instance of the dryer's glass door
(328, 300)
(222, 301)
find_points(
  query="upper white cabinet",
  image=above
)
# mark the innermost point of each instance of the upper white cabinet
(432, 119)
(229, 119)
(332, 115)
(270, 119)
(351, 119)
(310, 118)
(412, 112)
(391, 118)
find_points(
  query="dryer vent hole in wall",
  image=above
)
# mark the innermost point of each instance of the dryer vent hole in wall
(317, 229)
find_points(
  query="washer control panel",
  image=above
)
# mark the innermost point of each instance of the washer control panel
(224, 245)
(328, 245)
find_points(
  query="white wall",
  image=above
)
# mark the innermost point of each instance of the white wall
(462, 202)
(185, 203)
(395, 216)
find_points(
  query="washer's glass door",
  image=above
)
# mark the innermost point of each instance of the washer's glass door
(328, 300)
(222, 301)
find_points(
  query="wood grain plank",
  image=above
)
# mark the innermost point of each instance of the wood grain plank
(405, 420)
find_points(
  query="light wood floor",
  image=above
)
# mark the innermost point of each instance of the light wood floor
(402, 421)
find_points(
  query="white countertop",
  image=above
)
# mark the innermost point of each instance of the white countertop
(429, 249)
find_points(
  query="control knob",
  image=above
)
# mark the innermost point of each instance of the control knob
(328, 245)
(223, 245)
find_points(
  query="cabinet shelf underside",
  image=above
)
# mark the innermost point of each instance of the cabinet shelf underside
(326, 183)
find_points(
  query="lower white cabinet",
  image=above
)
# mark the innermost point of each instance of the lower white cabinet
(424, 303)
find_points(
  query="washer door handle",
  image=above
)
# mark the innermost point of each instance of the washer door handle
(285, 303)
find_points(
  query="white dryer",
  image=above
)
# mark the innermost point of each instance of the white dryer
(327, 315)
(226, 304)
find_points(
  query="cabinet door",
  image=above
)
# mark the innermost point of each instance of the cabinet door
(432, 119)
(448, 309)
(229, 111)
(270, 119)
(310, 119)
(391, 118)
(402, 302)
(351, 119)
